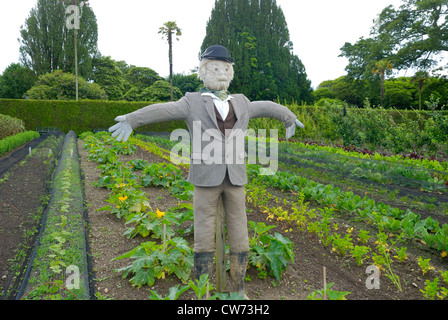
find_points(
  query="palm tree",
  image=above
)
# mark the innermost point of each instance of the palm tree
(167, 30)
(420, 77)
(382, 68)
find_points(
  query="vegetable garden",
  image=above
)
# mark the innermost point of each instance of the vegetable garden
(91, 218)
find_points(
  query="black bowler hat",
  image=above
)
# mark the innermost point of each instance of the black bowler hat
(217, 52)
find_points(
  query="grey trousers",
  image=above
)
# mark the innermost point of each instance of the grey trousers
(205, 203)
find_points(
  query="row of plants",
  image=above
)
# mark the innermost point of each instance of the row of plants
(380, 171)
(363, 208)
(44, 158)
(11, 142)
(383, 249)
(59, 265)
(429, 164)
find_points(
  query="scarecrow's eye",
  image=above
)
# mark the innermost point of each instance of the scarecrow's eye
(216, 69)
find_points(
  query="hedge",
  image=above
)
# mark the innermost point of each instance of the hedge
(87, 115)
(79, 116)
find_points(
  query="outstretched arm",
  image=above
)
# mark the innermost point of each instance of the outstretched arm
(169, 111)
(261, 109)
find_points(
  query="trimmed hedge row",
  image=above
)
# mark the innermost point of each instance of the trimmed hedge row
(16, 140)
(79, 116)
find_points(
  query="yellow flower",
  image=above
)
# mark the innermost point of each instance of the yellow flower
(160, 214)
(443, 254)
(122, 198)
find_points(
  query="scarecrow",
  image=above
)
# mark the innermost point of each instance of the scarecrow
(214, 117)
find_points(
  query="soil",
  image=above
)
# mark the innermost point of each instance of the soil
(300, 279)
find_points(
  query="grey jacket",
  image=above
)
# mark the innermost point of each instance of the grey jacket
(212, 154)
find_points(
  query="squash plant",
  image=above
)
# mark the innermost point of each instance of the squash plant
(267, 251)
(151, 262)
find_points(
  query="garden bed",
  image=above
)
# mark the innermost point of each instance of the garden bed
(128, 189)
(300, 279)
(58, 268)
(24, 191)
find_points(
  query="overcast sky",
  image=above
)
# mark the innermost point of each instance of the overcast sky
(128, 30)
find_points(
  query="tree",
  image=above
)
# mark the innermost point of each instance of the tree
(142, 77)
(109, 77)
(187, 83)
(343, 88)
(257, 37)
(60, 85)
(382, 68)
(418, 30)
(47, 45)
(161, 90)
(167, 30)
(420, 78)
(399, 93)
(15, 81)
(362, 57)
(413, 36)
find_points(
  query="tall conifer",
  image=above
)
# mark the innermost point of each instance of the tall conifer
(257, 37)
(47, 45)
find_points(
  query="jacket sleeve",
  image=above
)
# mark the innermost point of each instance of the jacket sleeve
(169, 111)
(269, 109)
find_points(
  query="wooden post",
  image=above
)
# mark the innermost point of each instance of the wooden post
(325, 284)
(220, 248)
(164, 237)
(76, 63)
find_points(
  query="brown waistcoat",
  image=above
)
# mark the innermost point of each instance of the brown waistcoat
(228, 123)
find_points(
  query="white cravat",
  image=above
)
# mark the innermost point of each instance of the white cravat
(221, 106)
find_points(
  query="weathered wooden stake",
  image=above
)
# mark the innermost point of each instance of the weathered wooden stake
(207, 294)
(164, 237)
(325, 284)
(220, 248)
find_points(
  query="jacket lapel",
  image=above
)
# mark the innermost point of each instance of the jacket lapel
(238, 112)
(210, 108)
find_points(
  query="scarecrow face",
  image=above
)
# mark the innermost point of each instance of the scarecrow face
(216, 74)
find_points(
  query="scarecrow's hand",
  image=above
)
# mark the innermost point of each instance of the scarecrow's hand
(122, 130)
(292, 129)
